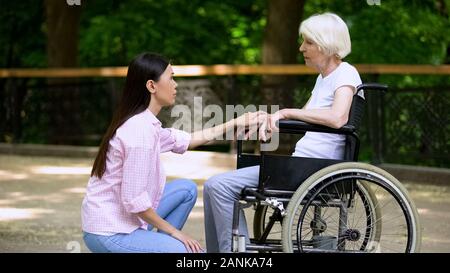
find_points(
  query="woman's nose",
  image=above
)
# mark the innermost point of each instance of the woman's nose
(301, 48)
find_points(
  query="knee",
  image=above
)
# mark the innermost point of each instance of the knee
(190, 186)
(174, 246)
(214, 185)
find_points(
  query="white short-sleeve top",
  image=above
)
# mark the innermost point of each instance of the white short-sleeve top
(324, 145)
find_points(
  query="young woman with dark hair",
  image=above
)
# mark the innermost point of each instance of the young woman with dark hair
(127, 194)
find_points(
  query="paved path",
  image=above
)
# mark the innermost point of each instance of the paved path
(40, 201)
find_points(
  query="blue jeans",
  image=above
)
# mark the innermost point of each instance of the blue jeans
(176, 203)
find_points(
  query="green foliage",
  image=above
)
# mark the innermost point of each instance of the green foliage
(22, 41)
(210, 32)
(194, 32)
(396, 31)
(403, 34)
(112, 32)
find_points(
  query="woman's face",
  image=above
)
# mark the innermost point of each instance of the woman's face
(311, 53)
(165, 88)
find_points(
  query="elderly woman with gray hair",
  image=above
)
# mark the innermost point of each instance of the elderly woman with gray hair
(326, 42)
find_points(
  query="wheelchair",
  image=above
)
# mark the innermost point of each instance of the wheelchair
(321, 205)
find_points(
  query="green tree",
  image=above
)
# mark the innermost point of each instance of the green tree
(280, 46)
(193, 32)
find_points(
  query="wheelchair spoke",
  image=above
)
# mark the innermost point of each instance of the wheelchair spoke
(360, 227)
(365, 204)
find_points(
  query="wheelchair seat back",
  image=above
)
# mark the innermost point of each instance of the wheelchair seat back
(356, 111)
(354, 119)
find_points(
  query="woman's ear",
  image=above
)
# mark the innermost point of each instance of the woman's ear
(150, 86)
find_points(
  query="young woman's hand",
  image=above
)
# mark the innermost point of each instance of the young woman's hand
(250, 119)
(192, 245)
(251, 122)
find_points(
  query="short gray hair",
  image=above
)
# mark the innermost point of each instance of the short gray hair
(329, 32)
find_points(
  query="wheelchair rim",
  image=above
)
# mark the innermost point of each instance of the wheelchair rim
(385, 183)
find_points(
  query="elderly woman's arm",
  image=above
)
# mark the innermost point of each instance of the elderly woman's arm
(334, 117)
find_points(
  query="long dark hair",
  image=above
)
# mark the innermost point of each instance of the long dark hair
(135, 99)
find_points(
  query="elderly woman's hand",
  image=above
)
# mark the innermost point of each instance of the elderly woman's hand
(269, 126)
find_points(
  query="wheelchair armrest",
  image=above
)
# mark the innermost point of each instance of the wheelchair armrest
(300, 127)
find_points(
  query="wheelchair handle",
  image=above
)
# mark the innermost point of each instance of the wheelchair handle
(372, 86)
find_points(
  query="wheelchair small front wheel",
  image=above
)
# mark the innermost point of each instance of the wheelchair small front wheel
(351, 207)
(266, 218)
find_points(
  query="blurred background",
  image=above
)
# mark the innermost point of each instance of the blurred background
(409, 125)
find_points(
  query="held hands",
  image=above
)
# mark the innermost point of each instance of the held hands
(261, 122)
(270, 126)
(248, 123)
(192, 246)
(250, 119)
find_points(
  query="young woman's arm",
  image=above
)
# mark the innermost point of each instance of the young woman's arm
(247, 120)
(151, 217)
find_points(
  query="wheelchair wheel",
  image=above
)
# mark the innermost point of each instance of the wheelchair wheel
(351, 207)
(266, 217)
(262, 220)
(372, 212)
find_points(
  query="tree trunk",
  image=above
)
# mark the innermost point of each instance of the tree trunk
(62, 33)
(280, 46)
(62, 21)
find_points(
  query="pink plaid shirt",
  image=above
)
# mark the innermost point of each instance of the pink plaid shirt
(134, 178)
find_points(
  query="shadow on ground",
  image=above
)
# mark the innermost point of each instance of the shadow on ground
(40, 199)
